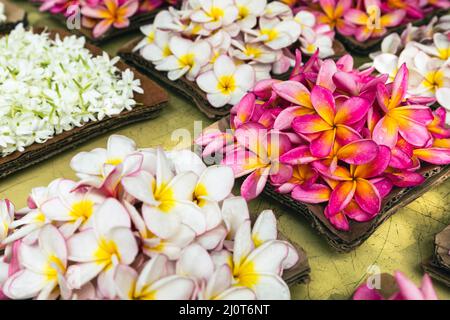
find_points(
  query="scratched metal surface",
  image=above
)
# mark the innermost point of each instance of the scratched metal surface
(401, 243)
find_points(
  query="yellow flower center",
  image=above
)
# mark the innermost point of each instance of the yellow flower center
(252, 51)
(444, 53)
(227, 84)
(114, 161)
(187, 60)
(54, 265)
(271, 34)
(243, 11)
(246, 276)
(105, 251)
(151, 37)
(216, 13)
(434, 80)
(82, 209)
(164, 195)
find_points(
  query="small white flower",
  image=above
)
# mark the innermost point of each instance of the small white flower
(226, 83)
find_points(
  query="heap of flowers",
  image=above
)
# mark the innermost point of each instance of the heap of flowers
(102, 15)
(426, 52)
(2, 13)
(227, 45)
(407, 290)
(50, 86)
(141, 224)
(368, 19)
(332, 135)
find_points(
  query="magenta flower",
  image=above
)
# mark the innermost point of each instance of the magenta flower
(407, 290)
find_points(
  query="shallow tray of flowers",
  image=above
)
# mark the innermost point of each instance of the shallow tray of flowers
(144, 224)
(56, 92)
(10, 16)
(438, 266)
(214, 53)
(342, 147)
(101, 20)
(362, 25)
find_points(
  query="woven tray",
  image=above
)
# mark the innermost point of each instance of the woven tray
(186, 88)
(371, 45)
(359, 231)
(438, 266)
(14, 16)
(136, 22)
(150, 104)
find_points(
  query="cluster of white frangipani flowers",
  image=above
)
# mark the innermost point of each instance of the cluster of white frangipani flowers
(141, 224)
(2, 13)
(227, 45)
(426, 52)
(50, 86)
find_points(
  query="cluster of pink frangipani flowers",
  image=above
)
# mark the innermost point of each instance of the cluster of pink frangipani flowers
(141, 224)
(333, 135)
(366, 19)
(227, 45)
(426, 52)
(101, 15)
(407, 290)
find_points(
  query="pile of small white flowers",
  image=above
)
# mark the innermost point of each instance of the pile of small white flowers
(50, 86)
(2, 13)
(426, 52)
(225, 46)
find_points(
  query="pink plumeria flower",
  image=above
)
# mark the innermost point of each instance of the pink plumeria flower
(226, 83)
(154, 282)
(409, 121)
(214, 14)
(167, 200)
(334, 15)
(111, 14)
(6, 217)
(371, 24)
(99, 250)
(407, 290)
(72, 207)
(44, 267)
(187, 58)
(258, 154)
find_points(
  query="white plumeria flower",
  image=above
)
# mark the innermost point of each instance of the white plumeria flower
(95, 166)
(44, 267)
(187, 58)
(277, 9)
(167, 200)
(154, 282)
(72, 207)
(98, 250)
(257, 52)
(214, 14)
(440, 49)
(226, 83)
(322, 43)
(158, 49)
(6, 216)
(249, 11)
(306, 20)
(391, 44)
(389, 63)
(276, 33)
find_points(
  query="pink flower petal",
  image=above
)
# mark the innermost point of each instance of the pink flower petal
(341, 196)
(316, 193)
(323, 101)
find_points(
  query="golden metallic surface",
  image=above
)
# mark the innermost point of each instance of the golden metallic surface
(401, 243)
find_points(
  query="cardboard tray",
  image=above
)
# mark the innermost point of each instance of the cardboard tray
(359, 232)
(371, 45)
(186, 88)
(14, 16)
(438, 266)
(149, 106)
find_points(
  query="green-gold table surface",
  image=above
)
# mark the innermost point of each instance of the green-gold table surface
(401, 243)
